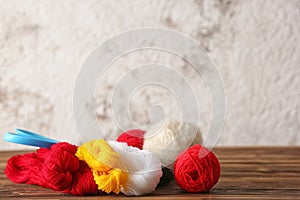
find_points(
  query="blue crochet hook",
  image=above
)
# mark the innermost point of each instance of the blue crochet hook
(29, 138)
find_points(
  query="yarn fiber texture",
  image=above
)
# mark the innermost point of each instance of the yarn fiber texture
(56, 168)
(197, 169)
(144, 169)
(170, 138)
(105, 164)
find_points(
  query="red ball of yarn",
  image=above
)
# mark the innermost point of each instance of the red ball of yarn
(134, 138)
(197, 169)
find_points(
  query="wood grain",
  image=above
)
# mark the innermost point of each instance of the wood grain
(246, 173)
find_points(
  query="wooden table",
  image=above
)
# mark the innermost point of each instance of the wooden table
(247, 173)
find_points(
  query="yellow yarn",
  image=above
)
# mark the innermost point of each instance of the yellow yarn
(111, 180)
(102, 159)
(98, 154)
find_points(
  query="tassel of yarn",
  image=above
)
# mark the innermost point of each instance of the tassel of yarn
(144, 169)
(104, 162)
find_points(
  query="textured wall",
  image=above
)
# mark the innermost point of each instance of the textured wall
(255, 44)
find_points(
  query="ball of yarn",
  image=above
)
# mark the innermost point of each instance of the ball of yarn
(197, 169)
(105, 165)
(134, 138)
(144, 169)
(170, 138)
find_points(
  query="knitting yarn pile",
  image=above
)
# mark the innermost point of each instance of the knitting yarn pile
(136, 164)
(95, 168)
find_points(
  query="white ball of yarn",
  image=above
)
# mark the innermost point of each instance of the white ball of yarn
(143, 166)
(170, 138)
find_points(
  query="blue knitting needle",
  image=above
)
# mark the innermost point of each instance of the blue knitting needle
(29, 138)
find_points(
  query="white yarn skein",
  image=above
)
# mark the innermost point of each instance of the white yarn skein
(143, 166)
(170, 138)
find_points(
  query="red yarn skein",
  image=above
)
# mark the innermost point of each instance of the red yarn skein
(197, 169)
(134, 138)
(57, 168)
(66, 173)
(83, 182)
(26, 169)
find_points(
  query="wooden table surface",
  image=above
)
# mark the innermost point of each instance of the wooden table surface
(246, 173)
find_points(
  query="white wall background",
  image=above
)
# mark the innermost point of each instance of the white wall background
(255, 44)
